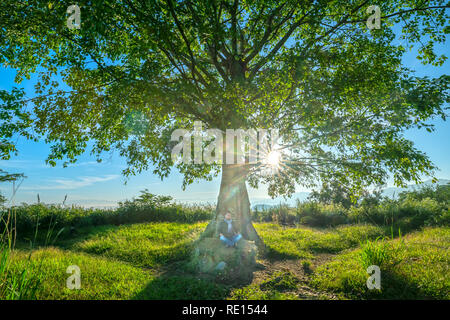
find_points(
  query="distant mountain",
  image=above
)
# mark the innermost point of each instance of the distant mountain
(394, 191)
(264, 204)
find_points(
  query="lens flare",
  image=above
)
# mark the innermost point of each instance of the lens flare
(273, 158)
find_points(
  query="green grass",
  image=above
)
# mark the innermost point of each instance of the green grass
(183, 288)
(144, 245)
(303, 242)
(413, 267)
(378, 252)
(131, 262)
(105, 279)
(101, 278)
(17, 284)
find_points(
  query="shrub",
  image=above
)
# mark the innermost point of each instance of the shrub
(262, 215)
(408, 214)
(56, 219)
(284, 215)
(321, 215)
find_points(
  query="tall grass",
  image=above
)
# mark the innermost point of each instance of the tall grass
(15, 284)
(58, 220)
(374, 253)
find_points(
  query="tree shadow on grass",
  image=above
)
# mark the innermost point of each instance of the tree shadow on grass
(399, 286)
(66, 239)
(182, 288)
(177, 282)
(274, 254)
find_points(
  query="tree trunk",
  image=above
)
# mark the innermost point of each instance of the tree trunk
(233, 197)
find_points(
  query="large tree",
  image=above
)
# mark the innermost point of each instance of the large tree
(136, 70)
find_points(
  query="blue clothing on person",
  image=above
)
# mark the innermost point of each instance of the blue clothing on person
(231, 242)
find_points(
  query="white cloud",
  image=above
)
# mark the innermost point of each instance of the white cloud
(83, 164)
(70, 184)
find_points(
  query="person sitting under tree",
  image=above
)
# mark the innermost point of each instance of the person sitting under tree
(227, 232)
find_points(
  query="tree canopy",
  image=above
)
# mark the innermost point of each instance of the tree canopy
(14, 120)
(136, 70)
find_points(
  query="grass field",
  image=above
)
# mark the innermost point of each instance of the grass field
(145, 261)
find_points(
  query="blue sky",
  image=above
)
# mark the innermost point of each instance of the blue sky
(89, 183)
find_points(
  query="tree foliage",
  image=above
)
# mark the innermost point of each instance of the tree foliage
(149, 199)
(333, 192)
(14, 121)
